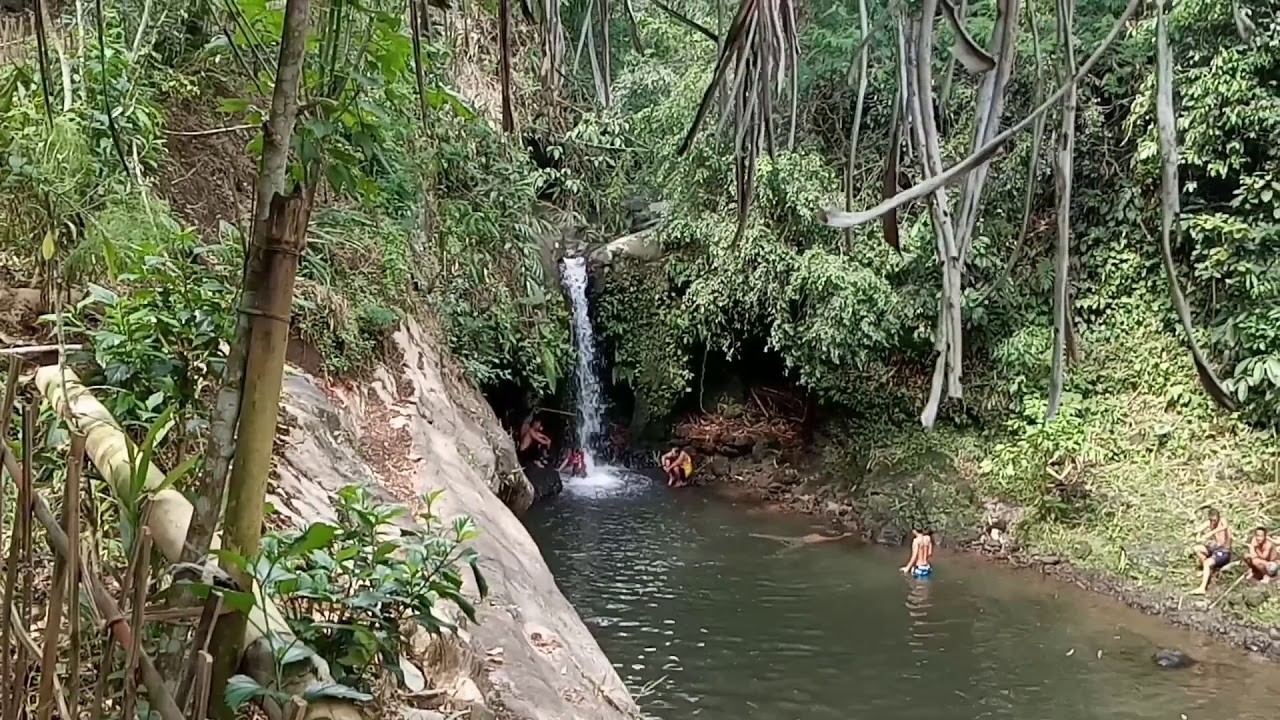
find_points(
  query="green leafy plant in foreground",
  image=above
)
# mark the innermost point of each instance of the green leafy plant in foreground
(351, 590)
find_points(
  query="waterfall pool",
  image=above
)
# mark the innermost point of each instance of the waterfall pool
(720, 624)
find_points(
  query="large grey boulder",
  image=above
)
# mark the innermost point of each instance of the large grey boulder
(421, 426)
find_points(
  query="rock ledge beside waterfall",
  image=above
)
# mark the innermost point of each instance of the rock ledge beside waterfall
(420, 426)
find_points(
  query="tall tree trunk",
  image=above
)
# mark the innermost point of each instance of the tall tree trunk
(860, 63)
(504, 65)
(1170, 188)
(606, 53)
(1066, 160)
(271, 264)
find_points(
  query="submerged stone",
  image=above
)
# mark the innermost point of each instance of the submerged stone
(1172, 659)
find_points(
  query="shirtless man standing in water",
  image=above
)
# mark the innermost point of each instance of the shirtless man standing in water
(921, 554)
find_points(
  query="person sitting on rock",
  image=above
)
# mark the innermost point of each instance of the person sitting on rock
(575, 463)
(1263, 559)
(533, 444)
(921, 554)
(679, 467)
(1214, 551)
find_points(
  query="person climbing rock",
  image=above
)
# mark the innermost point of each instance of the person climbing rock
(1214, 550)
(1263, 559)
(921, 554)
(534, 444)
(575, 463)
(679, 467)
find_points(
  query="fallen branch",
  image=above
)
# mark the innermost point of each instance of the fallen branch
(37, 349)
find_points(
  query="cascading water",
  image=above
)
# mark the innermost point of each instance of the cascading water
(590, 397)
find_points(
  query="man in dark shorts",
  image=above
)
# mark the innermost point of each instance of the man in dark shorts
(1263, 558)
(533, 445)
(1215, 551)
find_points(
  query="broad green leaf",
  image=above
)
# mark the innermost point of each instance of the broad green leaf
(240, 690)
(335, 690)
(318, 535)
(239, 601)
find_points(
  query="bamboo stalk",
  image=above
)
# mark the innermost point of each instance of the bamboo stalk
(71, 526)
(104, 672)
(28, 642)
(52, 633)
(10, 584)
(23, 509)
(1229, 589)
(141, 573)
(200, 645)
(160, 699)
(11, 569)
(15, 352)
(204, 677)
(168, 519)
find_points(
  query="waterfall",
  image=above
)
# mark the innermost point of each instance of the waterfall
(590, 397)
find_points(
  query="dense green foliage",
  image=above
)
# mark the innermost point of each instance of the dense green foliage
(351, 587)
(448, 219)
(841, 314)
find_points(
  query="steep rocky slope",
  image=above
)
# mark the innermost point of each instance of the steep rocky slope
(419, 426)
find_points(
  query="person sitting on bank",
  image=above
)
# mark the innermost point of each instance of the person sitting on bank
(1214, 550)
(575, 463)
(918, 566)
(679, 467)
(1263, 559)
(534, 443)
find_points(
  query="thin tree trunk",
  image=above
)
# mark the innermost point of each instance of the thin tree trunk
(80, 63)
(982, 155)
(1066, 159)
(948, 75)
(1037, 141)
(504, 65)
(552, 48)
(54, 31)
(606, 55)
(632, 28)
(1170, 188)
(279, 233)
(864, 25)
(1004, 48)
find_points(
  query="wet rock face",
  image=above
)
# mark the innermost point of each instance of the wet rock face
(1172, 659)
(546, 482)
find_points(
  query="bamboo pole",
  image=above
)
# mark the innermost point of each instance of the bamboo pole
(141, 572)
(71, 526)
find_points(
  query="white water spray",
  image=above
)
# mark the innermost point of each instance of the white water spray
(590, 397)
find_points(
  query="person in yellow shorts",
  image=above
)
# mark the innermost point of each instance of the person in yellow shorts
(679, 467)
